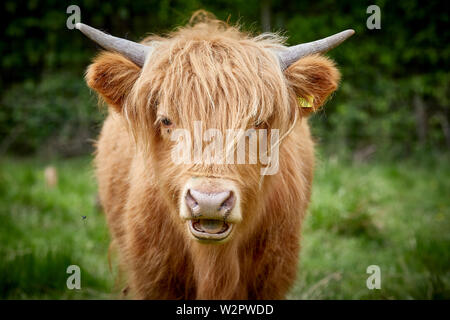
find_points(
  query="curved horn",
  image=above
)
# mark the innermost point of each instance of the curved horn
(292, 54)
(134, 51)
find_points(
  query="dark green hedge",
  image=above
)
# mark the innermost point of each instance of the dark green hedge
(394, 96)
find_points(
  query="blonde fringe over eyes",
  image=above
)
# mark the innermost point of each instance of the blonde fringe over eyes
(214, 73)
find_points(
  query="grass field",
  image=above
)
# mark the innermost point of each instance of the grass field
(394, 215)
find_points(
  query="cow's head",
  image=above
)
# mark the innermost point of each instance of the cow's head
(206, 79)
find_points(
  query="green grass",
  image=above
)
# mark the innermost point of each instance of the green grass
(42, 232)
(394, 215)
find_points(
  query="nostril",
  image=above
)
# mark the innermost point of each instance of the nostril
(190, 201)
(228, 204)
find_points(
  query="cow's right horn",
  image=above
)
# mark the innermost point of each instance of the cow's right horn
(134, 51)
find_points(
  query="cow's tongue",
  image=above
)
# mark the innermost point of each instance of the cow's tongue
(212, 226)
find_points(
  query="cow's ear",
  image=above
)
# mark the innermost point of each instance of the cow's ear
(112, 76)
(313, 79)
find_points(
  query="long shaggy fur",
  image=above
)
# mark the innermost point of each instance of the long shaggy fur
(214, 73)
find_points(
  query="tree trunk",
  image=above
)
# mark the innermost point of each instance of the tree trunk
(265, 15)
(443, 119)
(421, 119)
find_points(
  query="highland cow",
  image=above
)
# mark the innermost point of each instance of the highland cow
(206, 230)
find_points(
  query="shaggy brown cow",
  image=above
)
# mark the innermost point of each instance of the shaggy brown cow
(206, 230)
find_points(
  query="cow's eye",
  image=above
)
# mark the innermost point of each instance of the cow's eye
(258, 124)
(166, 122)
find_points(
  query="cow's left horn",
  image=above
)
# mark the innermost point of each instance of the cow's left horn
(134, 51)
(292, 54)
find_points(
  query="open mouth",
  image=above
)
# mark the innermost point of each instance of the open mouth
(210, 229)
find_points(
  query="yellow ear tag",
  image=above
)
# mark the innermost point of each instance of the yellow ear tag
(306, 103)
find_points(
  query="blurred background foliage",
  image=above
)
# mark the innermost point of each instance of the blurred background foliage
(393, 100)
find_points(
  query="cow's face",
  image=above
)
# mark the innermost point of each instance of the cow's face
(206, 107)
(190, 107)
